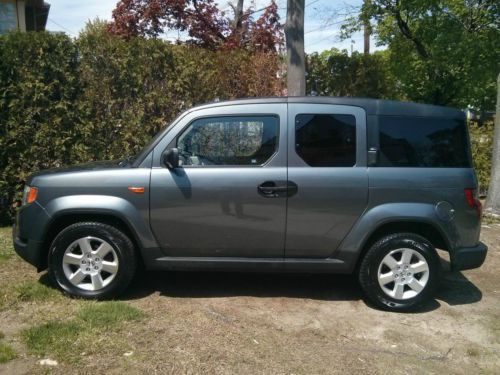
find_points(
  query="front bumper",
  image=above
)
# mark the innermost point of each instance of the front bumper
(31, 251)
(467, 258)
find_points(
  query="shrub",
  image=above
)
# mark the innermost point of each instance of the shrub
(481, 137)
(65, 101)
(38, 97)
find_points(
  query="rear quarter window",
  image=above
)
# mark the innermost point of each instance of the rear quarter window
(423, 142)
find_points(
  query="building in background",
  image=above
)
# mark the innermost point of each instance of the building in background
(23, 15)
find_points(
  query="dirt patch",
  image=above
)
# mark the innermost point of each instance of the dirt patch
(280, 324)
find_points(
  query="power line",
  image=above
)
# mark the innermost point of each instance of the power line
(311, 3)
(61, 26)
(324, 27)
(322, 39)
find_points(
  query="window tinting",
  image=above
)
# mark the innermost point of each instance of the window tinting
(248, 140)
(422, 142)
(326, 140)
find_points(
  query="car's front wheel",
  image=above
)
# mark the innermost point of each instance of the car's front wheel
(92, 260)
(400, 272)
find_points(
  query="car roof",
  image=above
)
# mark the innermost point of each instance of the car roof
(371, 106)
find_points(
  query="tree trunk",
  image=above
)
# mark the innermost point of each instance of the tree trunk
(493, 199)
(367, 32)
(238, 15)
(294, 33)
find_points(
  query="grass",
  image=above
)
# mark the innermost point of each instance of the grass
(6, 352)
(109, 314)
(6, 248)
(26, 291)
(59, 338)
(65, 340)
(34, 291)
(67, 337)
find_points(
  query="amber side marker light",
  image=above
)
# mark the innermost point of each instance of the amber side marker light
(136, 189)
(31, 196)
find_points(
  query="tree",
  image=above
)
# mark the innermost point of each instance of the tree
(294, 33)
(442, 51)
(205, 24)
(493, 199)
(335, 73)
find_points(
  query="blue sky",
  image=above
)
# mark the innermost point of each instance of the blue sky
(322, 21)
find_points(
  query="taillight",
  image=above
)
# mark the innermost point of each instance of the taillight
(469, 197)
(472, 201)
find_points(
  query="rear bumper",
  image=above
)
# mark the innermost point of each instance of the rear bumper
(467, 258)
(31, 251)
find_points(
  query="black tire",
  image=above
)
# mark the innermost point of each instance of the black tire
(120, 243)
(369, 268)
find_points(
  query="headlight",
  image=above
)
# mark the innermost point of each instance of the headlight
(29, 194)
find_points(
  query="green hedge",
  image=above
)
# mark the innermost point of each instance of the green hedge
(481, 138)
(65, 101)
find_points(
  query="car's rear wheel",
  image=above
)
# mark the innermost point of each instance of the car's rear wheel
(400, 272)
(92, 260)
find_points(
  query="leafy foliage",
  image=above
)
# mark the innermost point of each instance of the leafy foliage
(100, 96)
(481, 137)
(38, 106)
(204, 22)
(335, 73)
(442, 51)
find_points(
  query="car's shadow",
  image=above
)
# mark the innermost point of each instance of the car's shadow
(455, 288)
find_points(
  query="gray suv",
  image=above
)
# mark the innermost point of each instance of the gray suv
(333, 185)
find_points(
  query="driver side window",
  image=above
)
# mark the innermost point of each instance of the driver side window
(229, 140)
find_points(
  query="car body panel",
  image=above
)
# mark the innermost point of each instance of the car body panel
(217, 210)
(329, 199)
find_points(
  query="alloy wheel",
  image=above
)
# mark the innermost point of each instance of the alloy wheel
(403, 274)
(90, 263)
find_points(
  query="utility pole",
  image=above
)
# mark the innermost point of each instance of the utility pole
(367, 33)
(294, 33)
(367, 27)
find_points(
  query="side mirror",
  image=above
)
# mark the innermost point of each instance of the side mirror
(170, 158)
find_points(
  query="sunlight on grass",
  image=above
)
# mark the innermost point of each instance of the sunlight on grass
(34, 291)
(107, 314)
(66, 340)
(58, 338)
